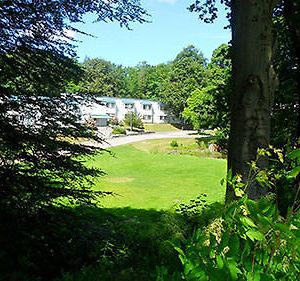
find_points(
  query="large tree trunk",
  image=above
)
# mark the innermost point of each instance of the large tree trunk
(253, 88)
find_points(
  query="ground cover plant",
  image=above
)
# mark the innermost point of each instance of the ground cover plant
(157, 180)
(251, 240)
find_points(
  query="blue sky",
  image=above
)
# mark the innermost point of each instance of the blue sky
(171, 29)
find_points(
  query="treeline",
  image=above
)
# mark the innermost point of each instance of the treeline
(178, 83)
(195, 90)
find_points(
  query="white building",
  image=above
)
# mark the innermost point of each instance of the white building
(105, 108)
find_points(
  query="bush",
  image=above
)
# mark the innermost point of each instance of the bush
(250, 240)
(221, 139)
(174, 143)
(119, 131)
(113, 121)
(133, 120)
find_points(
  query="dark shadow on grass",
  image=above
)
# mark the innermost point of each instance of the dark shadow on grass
(121, 243)
(116, 243)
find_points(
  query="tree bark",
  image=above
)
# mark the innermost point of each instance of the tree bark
(253, 88)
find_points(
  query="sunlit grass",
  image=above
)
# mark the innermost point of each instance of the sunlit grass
(161, 127)
(157, 180)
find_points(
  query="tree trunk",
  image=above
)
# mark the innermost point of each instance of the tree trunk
(253, 88)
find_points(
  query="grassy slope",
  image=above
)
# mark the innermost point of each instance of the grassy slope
(155, 180)
(160, 127)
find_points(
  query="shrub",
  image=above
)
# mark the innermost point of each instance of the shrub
(174, 143)
(113, 121)
(250, 240)
(221, 139)
(119, 130)
(133, 120)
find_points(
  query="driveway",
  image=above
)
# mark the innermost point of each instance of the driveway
(135, 138)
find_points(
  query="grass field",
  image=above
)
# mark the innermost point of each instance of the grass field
(161, 127)
(157, 180)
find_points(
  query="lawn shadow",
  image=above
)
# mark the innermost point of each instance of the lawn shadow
(86, 242)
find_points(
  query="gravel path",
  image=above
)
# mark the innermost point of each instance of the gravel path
(130, 139)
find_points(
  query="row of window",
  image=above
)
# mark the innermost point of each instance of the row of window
(149, 117)
(145, 117)
(131, 105)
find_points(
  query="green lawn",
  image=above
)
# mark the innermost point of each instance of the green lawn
(160, 127)
(157, 180)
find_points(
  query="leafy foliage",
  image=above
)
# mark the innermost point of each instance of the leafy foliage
(174, 143)
(285, 112)
(187, 74)
(200, 109)
(37, 163)
(102, 78)
(39, 166)
(133, 120)
(250, 240)
(208, 107)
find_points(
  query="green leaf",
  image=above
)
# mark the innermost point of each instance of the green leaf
(253, 276)
(220, 262)
(294, 154)
(239, 192)
(254, 234)
(233, 269)
(182, 256)
(234, 245)
(247, 222)
(293, 173)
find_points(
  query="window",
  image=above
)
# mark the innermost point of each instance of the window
(147, 117)
(128, 105)
(147, 106)
(162, 117)
(110, 105)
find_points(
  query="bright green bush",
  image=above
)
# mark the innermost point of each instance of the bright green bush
(133, 120)
(250, 240)
(174, 143)
(119, 130)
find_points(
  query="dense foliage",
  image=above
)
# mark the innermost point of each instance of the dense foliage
(37, 161)
(41, 168)
(39, 164)
(175, 83)
(285, 112)
(251, 240)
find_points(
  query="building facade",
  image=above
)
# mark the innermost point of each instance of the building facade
(106, 108)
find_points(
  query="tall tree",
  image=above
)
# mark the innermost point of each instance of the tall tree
(187, 74)
(254, 83)
(37, 163)
(102, 78)
(208, 107)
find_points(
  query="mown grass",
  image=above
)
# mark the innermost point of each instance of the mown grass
(186, 146)
(146, 180)
(161, 127)
(129, 239)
